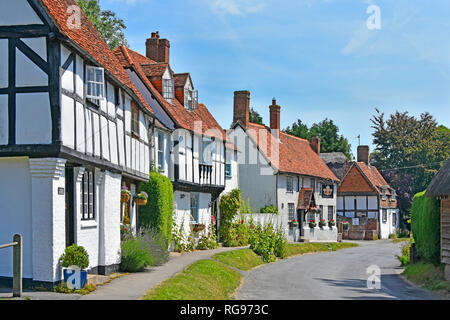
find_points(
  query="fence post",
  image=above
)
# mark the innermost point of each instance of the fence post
(17, 266)
(412, 253)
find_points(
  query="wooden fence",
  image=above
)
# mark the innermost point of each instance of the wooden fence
(17, 264)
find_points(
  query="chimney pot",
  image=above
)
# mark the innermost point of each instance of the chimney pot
(158, 49)
(364, 154)
(241, 111)
(315, 144)
(274, 115)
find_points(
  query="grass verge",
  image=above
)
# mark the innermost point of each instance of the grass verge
(203, 280)
(244, 259)
(401, 240)
(428, 276)
(294, 249)
(335, 246)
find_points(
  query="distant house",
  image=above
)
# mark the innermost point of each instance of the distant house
(440, 187)
(366, 201)
(337, 162)
(282, 170)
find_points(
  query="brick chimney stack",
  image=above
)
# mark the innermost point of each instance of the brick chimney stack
(364, 154)
(274, 115)
(241, 110)
(315, 145)
(158, 49)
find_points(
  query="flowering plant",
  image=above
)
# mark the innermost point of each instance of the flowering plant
(331, 223)
(312, 223)
(125, 190)
(293, 223)
(322, 223)
(141, 195)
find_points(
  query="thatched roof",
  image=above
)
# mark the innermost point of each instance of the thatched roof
(440, 186)
(337, 162)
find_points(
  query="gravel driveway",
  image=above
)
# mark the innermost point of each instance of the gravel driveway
(332, 275)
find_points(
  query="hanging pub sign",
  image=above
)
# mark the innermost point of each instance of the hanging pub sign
(327, 191)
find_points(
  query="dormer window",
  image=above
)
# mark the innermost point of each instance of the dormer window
(384, 195)
(393, 197)
(95, 82)
(168, 89)
(190, 99)
(207, 151)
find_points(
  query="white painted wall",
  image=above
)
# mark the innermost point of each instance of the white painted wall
(4, 124)
(28, 73)
(15, 210)
(17, 12)
(33, 119)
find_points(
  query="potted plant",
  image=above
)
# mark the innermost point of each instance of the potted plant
(312, 223)
(141, 198)
(125, 195)
(199, 227)
(75, 259)
(293, 223)
(331, 223)
(322, 223)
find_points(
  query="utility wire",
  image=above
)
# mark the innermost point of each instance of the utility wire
(416, 166)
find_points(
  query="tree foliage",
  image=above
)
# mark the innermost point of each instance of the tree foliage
(106, 22)
(255, 117)
(409, 152)
(331, 140)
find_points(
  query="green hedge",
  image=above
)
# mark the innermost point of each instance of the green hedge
(158, 212)
(425, 225)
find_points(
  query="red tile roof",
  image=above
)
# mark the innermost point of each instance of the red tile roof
(363, 178)
(180, 79)
(295, 155)
(89, 39)
(182, 117)
(155, 70)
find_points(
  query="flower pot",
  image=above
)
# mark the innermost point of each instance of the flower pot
(78, 282)
(199, 227)
(125, 197)
(293, 224)
(312, 225)
(331, 224)
(140, 202)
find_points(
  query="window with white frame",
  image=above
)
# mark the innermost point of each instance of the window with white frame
(330, 213)
(313, 184)
(87, 196)
(228, 171)
(207, 150)
(394, 219)
(394, 196)
(95, 83)
(384, 213)
(134, 118)
(384, 196)
(161, 152)
(291, 211)
(168, 89)
(289, 184)
(190, 99)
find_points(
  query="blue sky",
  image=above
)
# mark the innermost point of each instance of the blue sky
(317, 57)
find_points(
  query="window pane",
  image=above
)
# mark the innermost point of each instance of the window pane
(99, 75)
(90, 74)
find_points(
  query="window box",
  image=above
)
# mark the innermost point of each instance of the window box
(293, 223)
(312, 224)
(331, 223)
(322, 223)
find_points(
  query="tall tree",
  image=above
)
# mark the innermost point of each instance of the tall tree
(409, 152)
(255, 117)
(331, 140)
(106, 22)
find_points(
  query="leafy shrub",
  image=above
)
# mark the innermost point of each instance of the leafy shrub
(229, 206)
(208, 240)
(125, 232)
(269, 209)
(135, 255)
(425, 224)
(74, 256)
(393, 236)
(158, 213)
(404, 258)
(179, 238)
(263, 241)
(157, 245)
(245, 207)
(280, 244)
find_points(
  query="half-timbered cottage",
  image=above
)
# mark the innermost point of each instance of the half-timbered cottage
(281, 170)
(189, 146)
(366, 201)
(73, 130)
(440, 187)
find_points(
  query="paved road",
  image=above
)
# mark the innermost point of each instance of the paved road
(332, 275)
